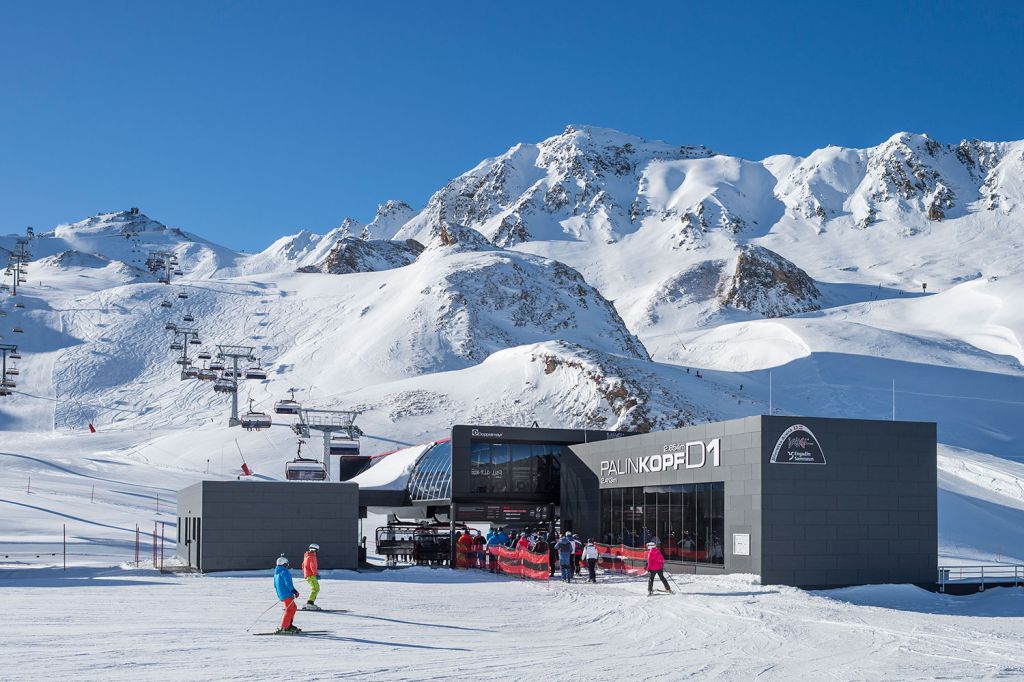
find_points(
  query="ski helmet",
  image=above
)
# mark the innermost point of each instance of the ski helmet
(568, 533)
(314, 547)
(282, 560)
(651, 544)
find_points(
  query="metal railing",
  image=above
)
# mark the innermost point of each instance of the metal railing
(992, 574)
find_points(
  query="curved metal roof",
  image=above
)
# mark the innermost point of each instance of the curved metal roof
(431, 477)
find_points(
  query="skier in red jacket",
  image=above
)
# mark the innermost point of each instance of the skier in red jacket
(655, 566)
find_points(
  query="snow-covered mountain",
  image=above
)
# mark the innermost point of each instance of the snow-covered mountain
(594, 278)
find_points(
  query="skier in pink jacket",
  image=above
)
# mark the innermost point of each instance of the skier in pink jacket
(655, 566)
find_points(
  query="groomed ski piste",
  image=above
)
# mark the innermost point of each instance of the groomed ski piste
(471, 332)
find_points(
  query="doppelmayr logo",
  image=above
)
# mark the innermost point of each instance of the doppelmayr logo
(692, 455)
(477, 433)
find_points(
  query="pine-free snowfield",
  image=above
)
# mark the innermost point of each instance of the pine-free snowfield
(424, 624)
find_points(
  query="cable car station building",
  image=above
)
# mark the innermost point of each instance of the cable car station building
(803, 501)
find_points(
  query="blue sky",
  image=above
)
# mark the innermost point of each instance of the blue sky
(244, 121)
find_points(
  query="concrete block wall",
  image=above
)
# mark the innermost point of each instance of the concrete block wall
(866, 516)
(247, 525)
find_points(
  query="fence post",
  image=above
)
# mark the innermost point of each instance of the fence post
(163, 528)
(65, 546)
(28, 490)
(92, 495)
(136, 545)
(158, 503)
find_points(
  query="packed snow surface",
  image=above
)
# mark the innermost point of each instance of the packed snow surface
(437, 624)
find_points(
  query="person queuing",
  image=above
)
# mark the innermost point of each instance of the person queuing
(655, 567)
(577, 554)
(590, 556)
(493, 542)
(565, 554)
(311, 572)
(480, 544)
(287, 593)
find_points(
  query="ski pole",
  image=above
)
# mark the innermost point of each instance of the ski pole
(674, 583)
(260, 616)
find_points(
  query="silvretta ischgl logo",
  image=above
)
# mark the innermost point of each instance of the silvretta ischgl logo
(797, 445)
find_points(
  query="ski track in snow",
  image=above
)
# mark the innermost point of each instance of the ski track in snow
(432, 624)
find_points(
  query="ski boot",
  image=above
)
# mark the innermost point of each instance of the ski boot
(310, 606)
(292, 628)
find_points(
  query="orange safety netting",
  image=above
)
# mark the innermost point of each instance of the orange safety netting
(468, 556)
(622, 559)
(521, 562)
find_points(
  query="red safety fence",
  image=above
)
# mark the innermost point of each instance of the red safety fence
(521, 562)
(622, 559)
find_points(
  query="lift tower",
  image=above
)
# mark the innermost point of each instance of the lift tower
(6, 384)
(184, 360)
(328, 422)
(235, 353)
(19, 257)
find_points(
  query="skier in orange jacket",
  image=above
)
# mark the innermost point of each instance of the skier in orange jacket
(311, 571)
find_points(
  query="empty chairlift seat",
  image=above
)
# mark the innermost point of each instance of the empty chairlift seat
(288, 405)
(177, 346)
(165, 304)
(187, 317)
(207, 375)
(12, 371)
(195, 341)
(304, 470)
(255, 372)
(182, 294)
(170, 326)
(217, 365)
(344, 446)
(15, 355)
(204, 355)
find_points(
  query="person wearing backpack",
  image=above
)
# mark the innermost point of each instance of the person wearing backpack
(590, 556)
(565, 553)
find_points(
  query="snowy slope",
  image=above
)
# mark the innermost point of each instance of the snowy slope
(582, 280)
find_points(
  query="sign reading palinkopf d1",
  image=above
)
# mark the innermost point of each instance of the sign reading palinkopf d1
(690, 455)
(797, 445)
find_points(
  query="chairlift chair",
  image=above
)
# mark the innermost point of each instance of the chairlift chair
(288, 405)
(184, 362)
(9, 383)
(19, 305)
(190, 373)
(302, 469)
(178, 272)
(344, 446)
(207, 375)
(229, 373)
(165, 304)
(217, 366)
(253, 420)
(182, 294)
(4, 391)
(187, 317)
(15, 355)
(18, 330)
(12, 371)
(224, 386)
(255, 372)
(204, 355)
(194, 341)
(170, 326)
(176, 345)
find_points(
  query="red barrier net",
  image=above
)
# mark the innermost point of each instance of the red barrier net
(622, 559)
(520, 562)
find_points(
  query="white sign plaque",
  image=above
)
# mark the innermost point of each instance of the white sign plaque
(741, 544)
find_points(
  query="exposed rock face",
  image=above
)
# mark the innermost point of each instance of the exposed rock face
(612, 393)
(389, 218)
(352, 254)
(485, 301)
(765, 283)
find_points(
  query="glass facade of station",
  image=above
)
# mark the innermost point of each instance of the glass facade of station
(515, 469)
(688, 519)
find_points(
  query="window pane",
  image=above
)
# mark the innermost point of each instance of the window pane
(689, 522)
(521, 475)
(500, 456)
(703, 537)
(616, 515)
(717, 523)
(480, 467)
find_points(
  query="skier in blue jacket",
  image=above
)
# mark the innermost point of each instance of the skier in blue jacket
(287, 593)
(566, 547)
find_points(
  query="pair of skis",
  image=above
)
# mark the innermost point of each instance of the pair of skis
(303, 632)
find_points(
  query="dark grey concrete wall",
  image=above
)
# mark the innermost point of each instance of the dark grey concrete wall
(247, 525)
(868, 515)
(739, 469)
